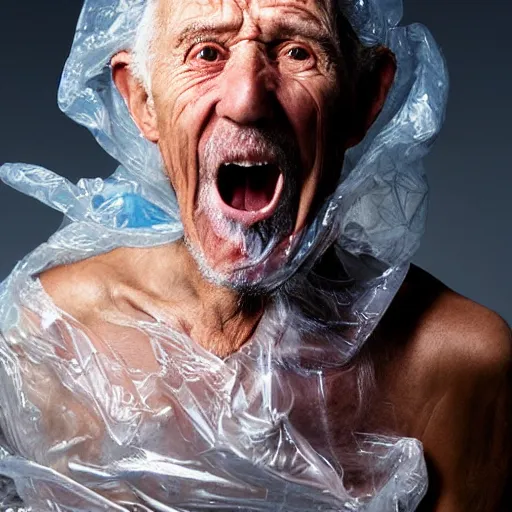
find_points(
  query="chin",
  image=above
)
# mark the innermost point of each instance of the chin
(241, 258)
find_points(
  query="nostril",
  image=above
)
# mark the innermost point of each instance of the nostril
(247, 96)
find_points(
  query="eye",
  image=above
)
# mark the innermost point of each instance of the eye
(208, 53)
(207, 56)
(298, 53)
(296, 58)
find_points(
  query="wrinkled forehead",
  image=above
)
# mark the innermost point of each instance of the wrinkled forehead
(176, 12)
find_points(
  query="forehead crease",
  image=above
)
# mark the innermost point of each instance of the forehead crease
(312, 6)
(311, 15)
(272, 3)
(185, 10)
(193, 8)
(185, 19)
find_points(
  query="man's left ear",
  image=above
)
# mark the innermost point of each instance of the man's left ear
(372, 90)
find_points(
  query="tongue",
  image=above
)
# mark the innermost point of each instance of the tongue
(245, 197)
(248, 188)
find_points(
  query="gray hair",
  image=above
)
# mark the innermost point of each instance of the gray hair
(142, 49)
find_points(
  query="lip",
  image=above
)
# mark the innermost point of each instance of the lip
(247, 218)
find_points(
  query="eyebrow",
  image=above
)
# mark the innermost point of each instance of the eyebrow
(306, 28)
(309, 30)
(198, 30)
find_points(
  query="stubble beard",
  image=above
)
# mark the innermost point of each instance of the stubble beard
(257, 242)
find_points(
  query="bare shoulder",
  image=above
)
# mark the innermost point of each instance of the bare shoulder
(103, 292)
(120, 280)
(79, 288)
(87, 288)
(476, 337)
(450, 331)
(468, 339)
(454, 357)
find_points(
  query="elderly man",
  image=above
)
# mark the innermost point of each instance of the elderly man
(245, 352)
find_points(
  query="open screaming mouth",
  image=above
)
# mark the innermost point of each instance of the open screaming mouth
(249, 191)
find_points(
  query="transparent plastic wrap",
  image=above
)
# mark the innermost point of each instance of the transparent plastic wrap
(82, 431)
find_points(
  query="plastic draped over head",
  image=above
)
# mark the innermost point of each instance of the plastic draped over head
(378, 208)
(203, 433)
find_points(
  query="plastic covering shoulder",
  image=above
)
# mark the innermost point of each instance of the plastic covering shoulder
(82, 431)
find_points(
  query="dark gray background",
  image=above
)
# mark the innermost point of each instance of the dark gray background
(468, 241)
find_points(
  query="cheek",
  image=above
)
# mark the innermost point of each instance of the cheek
(182, 104)
(307, 103)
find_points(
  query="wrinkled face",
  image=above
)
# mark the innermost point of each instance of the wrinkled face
(245, 93)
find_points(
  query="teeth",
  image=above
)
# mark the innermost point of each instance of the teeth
(246, 163)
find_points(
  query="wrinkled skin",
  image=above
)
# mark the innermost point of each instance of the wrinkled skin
(237, 76)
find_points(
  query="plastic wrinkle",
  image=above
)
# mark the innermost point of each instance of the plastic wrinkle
(82, 431)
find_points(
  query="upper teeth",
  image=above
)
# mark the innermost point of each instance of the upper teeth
(246, 163)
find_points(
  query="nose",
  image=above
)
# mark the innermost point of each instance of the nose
(247, 90)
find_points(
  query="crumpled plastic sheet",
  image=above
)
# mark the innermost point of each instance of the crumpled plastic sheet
(81, 431)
